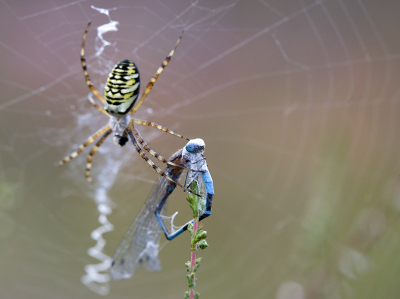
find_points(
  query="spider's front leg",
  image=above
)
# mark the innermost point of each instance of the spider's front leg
(151, 163)
(144, 145)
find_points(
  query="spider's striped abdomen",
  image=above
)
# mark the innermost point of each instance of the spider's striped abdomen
(122, 88)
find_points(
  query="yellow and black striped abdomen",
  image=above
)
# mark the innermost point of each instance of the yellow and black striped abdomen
(122, 88)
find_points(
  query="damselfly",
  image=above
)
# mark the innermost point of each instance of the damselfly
(140, 245)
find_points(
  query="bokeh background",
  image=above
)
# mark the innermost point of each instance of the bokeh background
(297, 101)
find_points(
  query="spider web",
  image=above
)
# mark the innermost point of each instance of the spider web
(297, 101)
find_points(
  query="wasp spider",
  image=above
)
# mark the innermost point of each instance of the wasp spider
(121, 93)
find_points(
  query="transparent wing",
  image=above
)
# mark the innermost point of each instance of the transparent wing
(140, 245)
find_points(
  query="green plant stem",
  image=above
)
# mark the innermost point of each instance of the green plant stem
(193, 258)
(197, 238)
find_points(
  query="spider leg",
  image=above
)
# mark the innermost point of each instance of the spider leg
(89, 141)
(139, 138)
(88, 82)
(97, 106)
(151, 124)
(91, 154)
(155, 167)
(151, 83)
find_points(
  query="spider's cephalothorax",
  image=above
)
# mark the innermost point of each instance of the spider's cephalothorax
(122, 88)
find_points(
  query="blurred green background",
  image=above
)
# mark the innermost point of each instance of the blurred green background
(297, 101)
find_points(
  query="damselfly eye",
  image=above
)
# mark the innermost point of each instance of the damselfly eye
(190, 147)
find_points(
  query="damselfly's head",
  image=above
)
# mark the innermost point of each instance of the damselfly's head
(195, 146)
(193, 153)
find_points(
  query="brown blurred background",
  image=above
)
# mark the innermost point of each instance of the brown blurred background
(297, 102)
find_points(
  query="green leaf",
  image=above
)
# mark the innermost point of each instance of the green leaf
(196, 267)
(187, 295)
(196, 296)
(202, 244)
(193, 199)
(187, 267)
(190, 228)
(191, 281)
(199, 235)
(198, 260)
